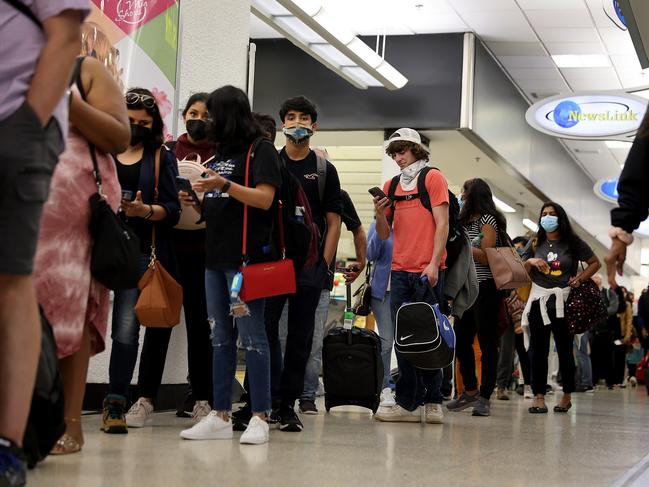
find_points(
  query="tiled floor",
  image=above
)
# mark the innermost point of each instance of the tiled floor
(601, 438)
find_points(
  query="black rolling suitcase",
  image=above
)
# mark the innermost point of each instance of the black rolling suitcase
(352, 365)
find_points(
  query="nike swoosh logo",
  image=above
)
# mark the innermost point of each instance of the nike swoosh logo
(406, 337)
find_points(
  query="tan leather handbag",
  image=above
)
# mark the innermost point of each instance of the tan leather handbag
(506, 265)
(161, 297)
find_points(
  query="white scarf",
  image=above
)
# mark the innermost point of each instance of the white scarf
(409, 175)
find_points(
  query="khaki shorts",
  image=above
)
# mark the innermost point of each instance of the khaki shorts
(28, 156)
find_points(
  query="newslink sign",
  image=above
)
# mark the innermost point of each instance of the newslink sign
(589, 116)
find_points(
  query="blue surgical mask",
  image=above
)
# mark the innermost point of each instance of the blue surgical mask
(298, 133)
(460, 201)
(550, 223)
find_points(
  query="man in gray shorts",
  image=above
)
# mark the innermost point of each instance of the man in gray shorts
(39, 40)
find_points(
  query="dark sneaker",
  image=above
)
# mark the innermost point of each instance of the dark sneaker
(186, 409)
(288, 420)
(13, 467)
(307, 406)
(241, 418)
(462, 402)
(274, 419)
(481, 407)
(113, 420)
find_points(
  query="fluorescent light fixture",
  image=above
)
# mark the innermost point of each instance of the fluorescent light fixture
(338, 35)
(531, 225)
(618, 144)
(294, 37)
(582, 61)
(502, 206)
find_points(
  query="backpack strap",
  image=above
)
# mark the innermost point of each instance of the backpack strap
(393, 187)
(421, 194)
(321, 163)
(26, 11)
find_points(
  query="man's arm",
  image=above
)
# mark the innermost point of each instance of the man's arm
(440, 215)
(360, 245)
(52, 75)
(332, 237)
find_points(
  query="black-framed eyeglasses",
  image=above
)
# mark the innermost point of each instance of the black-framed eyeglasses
(137, 98)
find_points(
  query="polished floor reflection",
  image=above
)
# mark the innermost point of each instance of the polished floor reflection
(596, 444)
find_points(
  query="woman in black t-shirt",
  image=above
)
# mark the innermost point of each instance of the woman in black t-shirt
(483, 222)
(234, 130)
(554, 268)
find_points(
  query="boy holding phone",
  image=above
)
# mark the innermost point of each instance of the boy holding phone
(419, 250)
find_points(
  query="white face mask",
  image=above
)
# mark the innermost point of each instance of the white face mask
(409, 174)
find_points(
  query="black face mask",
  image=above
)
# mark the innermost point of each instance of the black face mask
(197, 129)
(139, 134)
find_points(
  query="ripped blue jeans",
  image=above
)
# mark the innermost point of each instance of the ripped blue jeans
(225, 331)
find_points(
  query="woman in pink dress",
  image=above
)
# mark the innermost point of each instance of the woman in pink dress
(75, 304)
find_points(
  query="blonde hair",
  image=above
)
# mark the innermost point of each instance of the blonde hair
(96, 44)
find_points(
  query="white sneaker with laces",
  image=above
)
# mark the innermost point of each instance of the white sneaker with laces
(387, 398)
(398, 414)
(256, 433)
(211, 427)
(434, 413)
(201, 409)
(527, 392)
(140, 414)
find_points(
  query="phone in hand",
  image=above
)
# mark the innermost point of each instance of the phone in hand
(185, 185)
(377, 192)
(127, 195)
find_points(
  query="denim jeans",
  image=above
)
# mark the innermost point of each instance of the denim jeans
(225, 330)
(314, 365)
(584, 367)
(385, 325)
(414, 386)
(125, 333)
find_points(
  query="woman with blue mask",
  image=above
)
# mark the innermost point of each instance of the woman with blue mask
(554, 266)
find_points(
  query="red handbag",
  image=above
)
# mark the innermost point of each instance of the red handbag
(265, 279)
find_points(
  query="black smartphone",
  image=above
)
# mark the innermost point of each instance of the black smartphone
(127, 195)
(377, 192)
(185, 185)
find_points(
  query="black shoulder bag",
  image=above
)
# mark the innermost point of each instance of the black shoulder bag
(115, 260)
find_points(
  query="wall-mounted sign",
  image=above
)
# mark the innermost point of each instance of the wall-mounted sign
(607, 189)
(589, 116)
(614, 12)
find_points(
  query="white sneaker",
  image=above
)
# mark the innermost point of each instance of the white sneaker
(434, 413)
(398, 414)
(201, 409)
(256, 433)
(387, 398)
(527, 392)
(140, 414)
(211, 427)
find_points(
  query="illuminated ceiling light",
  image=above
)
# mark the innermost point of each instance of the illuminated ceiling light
(531, 225)
(335, 33)
(502, 206)
(582, 61)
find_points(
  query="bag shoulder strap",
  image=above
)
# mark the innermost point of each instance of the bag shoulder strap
(321, 164)
(155, 196)
(393, 187)
(25, 10)
(424, 197)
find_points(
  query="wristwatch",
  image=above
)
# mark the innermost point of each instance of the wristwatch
(150, 214)
(226, 186)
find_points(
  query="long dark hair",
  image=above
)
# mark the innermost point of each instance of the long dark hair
(233, 124)
(195, 98)
(478, 200)
(565, 229)
(157, 129)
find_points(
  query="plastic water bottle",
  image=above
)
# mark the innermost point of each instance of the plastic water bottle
(299, 214)
(348, 319)
(237, 282)
(476, 240)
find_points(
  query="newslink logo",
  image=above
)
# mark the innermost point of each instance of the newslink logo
(567, 114)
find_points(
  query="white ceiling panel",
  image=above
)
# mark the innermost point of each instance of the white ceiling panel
(597, 10)
(535, 74)
(516, 48)
(626, 62)
(261, 30)
(506, 25)
(569, 48)
(595, 84)
(559, 18)
(575, 74)
(543, 84)
(552, 4)
(634, 80)
(576, 34)
(482, 5)
(617, 41)
(527, 62)
(429, 22)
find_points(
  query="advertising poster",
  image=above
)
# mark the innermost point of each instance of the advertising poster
(142, 50)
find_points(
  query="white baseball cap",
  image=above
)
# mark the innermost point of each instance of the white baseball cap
(408, 135)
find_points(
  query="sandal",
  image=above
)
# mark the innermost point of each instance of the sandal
(66, 445)
(563, 409)
(538, 410)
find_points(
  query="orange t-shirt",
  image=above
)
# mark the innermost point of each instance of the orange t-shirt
(414, 227)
